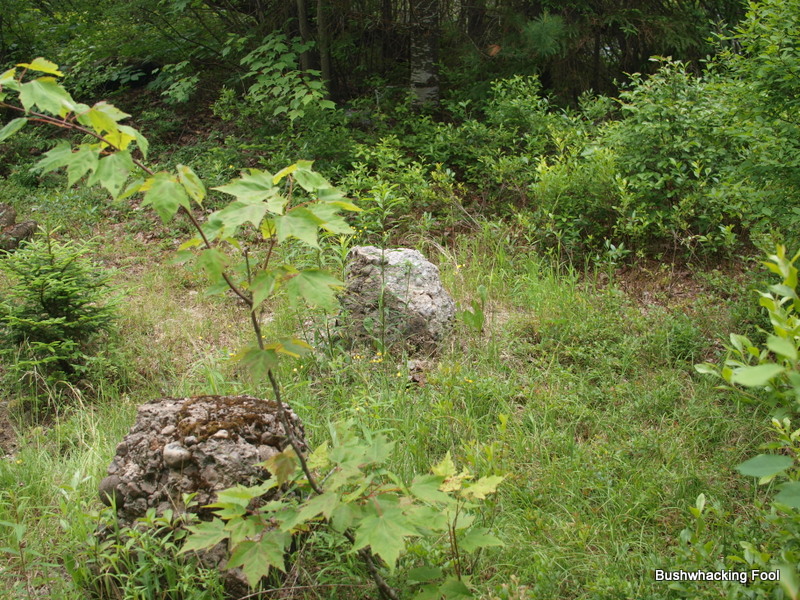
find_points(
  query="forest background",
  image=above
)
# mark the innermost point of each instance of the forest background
(596, 180)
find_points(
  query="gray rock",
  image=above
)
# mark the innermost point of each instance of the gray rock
(8, 216)
(397, 297)
(12, 233)
(195, 446)
(175, 455)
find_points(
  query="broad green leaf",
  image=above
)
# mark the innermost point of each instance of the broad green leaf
(204, 535)
(141, 141)
(112, 172)
(384, 533)
(789, 581)
(757, 376)
(429, 592)
(310, 180)
(213, 227)
(103, 117)
(55, 158)
(478, 537)
(329, 219)
(323, 504)
(8, 79)
(379, 449)
(257, 361)
(166, 195)
(46, 94)
(318, 459)
(118, 140)
(424, 574)
(191, 243)
(12, 127)
(227, 511)
(263, 286)
(455, 483)
(481, 488)
(433, 518)
(299, 223)
(283, 173)
(239, 212)
(132, 189)
(707, 369)
(191, 183)
(267, 228)
(256, 558)
(782, 347)
(764, 465)
(110, 115)
(282, 465)
(426, 488)
(256, 186)
(455, 589)
(242, 495)
(242, 529)
(357, 494)
(291, 347)
(43, 66)
(700, 503)
(314, 286)
(789, 494)
(344, 516)
(335, 197)
(740, 342)
(213, 262)
(83, 160)
(446, 468)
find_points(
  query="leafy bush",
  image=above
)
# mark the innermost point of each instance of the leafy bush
(769, 373)
(768, 96)
(366, 503)
(277, 85)
(517, 103)
(672, 148)
(574, 198)
(55, 309)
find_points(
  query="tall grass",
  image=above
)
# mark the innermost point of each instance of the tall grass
(587, 402)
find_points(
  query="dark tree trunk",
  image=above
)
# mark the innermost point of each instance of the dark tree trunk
(305, 35)
(387, 29)
(324, 43)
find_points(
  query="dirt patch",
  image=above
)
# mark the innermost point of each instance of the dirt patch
(677, 287)
(8, 435)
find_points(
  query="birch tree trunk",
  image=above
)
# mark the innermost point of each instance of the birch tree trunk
(425, 50)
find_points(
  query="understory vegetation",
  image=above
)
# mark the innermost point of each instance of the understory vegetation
(620, 382)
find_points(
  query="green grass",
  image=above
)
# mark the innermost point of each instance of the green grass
(591, 408)
(585, 399)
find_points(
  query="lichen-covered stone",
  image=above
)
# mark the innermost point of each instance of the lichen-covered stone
(193, 445)
(198, 446)
(8, 216)
(397, 297)
(11, 232)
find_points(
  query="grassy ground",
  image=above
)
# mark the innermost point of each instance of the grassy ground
(580, 388)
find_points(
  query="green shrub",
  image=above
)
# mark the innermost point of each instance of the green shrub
(574, 198)
(672, 148)
(766, 375)
(55, 309)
